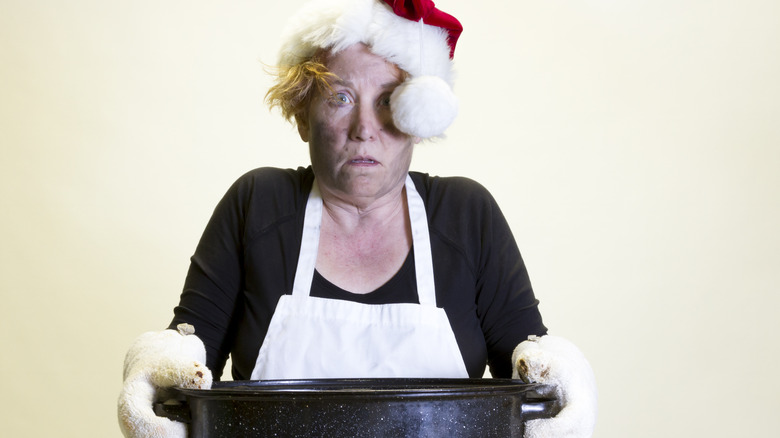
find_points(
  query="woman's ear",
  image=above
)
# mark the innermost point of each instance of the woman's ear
(303, 127)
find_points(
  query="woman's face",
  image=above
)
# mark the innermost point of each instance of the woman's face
(356, 151)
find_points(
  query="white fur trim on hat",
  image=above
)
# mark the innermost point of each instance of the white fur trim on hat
(425, 105)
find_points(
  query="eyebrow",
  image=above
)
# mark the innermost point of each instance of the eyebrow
(385, 86)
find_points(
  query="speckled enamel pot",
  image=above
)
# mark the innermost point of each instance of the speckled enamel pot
(362, 408)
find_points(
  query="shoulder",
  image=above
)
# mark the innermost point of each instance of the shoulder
(461, 212)
(272, 185)
(266, 195)
(273, 179)
(455, 191)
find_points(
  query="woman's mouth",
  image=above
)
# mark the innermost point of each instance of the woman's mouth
(362, 161)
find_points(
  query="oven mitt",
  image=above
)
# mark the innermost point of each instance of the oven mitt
(555, 361)
(154, 361)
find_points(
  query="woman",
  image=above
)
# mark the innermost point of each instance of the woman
(352, 267)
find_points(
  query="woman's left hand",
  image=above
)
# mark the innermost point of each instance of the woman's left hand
(555, 361)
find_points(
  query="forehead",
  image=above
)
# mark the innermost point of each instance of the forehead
(357, 62)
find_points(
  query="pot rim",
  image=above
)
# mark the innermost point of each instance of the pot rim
(374, 388)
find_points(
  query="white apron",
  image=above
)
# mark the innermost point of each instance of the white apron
(311, 337)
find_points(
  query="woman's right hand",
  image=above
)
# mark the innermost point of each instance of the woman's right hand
(159, 360)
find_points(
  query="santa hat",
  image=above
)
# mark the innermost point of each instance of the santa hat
(412, 34)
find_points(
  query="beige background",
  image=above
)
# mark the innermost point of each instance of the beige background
(634, 147)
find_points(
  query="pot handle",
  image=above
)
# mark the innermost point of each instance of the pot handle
(540, 409)
(173, 409)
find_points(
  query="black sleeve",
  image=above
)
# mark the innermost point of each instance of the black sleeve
(508, 309)
(480, 276)
(214, 280)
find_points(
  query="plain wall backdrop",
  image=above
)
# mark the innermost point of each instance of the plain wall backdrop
(634, 147)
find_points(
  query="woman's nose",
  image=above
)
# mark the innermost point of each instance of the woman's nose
(366, 123)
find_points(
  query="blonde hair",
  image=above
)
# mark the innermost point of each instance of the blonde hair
(294, 86)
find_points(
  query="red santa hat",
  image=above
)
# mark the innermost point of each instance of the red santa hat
(412, 34)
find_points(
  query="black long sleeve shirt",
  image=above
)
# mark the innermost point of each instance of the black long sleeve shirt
(248, 254)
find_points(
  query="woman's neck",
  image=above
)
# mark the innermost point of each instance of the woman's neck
(362, 247)
(353, 213)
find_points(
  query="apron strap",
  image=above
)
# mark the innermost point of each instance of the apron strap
(421, 245)
(310, 242)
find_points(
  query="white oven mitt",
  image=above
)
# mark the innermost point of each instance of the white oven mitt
(158, 360)
(555, 361)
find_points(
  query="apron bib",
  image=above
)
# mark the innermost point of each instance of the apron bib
(312, 338)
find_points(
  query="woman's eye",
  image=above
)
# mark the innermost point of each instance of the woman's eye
(384, 101)
(341, 99)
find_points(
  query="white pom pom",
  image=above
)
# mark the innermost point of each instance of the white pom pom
(424, 106)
